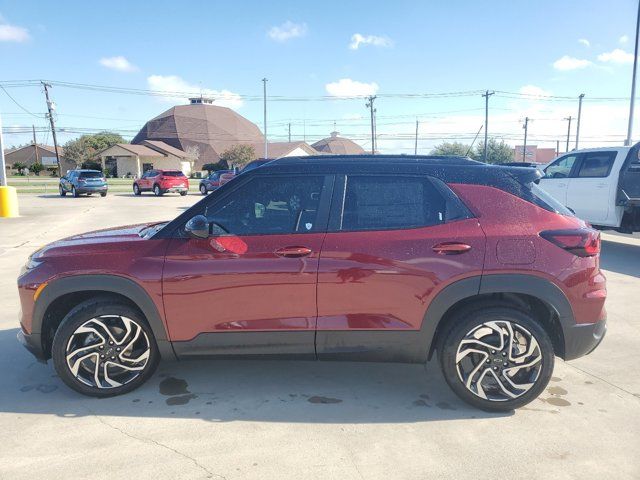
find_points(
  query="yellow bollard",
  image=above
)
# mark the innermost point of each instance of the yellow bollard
(8, 202)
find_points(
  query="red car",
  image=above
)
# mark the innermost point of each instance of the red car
(161, 181)
(344, 258)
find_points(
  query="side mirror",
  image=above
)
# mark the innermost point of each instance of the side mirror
(197, 227)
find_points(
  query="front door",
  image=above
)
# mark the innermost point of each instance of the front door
(251, 286)
(556, 177)
(591, 193)
(391, 245)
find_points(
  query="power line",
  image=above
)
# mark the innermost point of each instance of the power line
(18, 104)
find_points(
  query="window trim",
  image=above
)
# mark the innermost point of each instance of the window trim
(573, 170)
(340, 192)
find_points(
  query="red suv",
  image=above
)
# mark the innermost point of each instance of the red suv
(343, 258)
(162, 181)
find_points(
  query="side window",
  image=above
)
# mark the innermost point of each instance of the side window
(391, 202)
(270, 205)
(561, 168)
(596, 164)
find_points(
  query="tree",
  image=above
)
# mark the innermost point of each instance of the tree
(36, 168)
(91, 165)
(238, 155)
(497, 152)
(19, 166)
(452, 148)
(84, 148)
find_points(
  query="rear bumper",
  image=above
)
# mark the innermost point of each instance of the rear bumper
(92, 189)
(582, 339)
(32, 342)
(174, 189)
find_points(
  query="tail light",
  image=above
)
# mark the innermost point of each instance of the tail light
(583, 242)
(81, 180)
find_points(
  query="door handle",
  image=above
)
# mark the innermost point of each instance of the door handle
(451, 248)
(293, 252)
(561, 185)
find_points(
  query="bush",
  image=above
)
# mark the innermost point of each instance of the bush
(19, 166)
(36, 168)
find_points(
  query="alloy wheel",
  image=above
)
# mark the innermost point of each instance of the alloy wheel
(498, 360)
(203, 190)
(108, 351)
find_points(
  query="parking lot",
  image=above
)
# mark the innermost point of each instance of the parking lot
(280, 420)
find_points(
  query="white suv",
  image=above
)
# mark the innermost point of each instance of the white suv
(601, 185)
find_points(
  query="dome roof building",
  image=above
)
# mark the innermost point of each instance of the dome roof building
(203, 126)
(336, 145)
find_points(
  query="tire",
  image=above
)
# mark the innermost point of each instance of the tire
(104, 323)
(136, 189)
(203, 190)
(157, 191)
(482, 366)
(74, 192)
(103, 194)
(62, 192)
(182, 194)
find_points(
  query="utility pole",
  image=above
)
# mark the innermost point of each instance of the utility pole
(415, 148)
(35, 144)
(369, 105)
(568, 132)
(3, 170)
(633, 83)
(526, 130)
(50, 108)
(486, 96)
(579, 114)
(264, 91)
(289, 132)
(557, 147)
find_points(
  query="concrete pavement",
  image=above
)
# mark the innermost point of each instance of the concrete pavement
(306, 420)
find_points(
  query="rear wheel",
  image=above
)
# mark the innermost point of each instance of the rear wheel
(103, 194)
(136, 189)
(182, 194)
(203, 190)
(496, 358)
(157, 191)
(104, 348)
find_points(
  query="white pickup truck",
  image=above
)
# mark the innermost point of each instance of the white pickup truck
(601, 185)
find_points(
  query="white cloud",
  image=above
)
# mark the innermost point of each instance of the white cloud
(119, 63)
(584, 42)
(357, 40)
(616, 56)
(566, 63)
(12, 33)
(623, 39)
(287, 31)
(533, 91)
(345, 87)
(174, 89)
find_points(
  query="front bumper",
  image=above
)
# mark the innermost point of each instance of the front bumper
(582, 339)
(33, 343)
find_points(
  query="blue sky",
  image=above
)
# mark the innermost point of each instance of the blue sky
(307, 49)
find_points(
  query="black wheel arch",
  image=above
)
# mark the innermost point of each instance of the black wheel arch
(82, 287)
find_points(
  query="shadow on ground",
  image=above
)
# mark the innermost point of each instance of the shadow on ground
(620, 258)
(243, 390)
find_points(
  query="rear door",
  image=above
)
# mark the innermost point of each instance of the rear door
(591, 190)
(556, 177)
(630, 177)
(393, 243)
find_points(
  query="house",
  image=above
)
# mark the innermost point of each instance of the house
(126, 160)
(337, 145)
(38, 153)
(534, 154)
(287, 149)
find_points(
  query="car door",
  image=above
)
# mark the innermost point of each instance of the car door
(251, 286)
(556, 177)
(591, 193)
(393, 242)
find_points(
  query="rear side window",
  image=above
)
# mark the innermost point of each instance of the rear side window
(596, 164)
(391, 202)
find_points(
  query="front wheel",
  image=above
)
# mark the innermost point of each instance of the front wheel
(182, 194)
(136, 189)
(74, 192)
(496, 358)
(104, 348)
(103, 194)
(62, 192)
(203, 190)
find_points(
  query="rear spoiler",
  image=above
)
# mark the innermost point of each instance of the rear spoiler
(524, 175)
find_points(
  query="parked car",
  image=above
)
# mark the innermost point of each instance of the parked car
(601, 185)
(79, 182)
(331, 258)
(211, 182)
(161, 181)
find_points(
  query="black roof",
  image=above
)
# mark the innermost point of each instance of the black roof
(362, 159)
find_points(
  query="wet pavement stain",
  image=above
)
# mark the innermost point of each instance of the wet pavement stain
(588, 382)
(445, 406)
(420, 403)
(173, 386)
(558, 402)
(425, 396)
(42, 388)
(557, 391)
(319, 399)
(135, 400)
(181, 399)
(556, 379)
